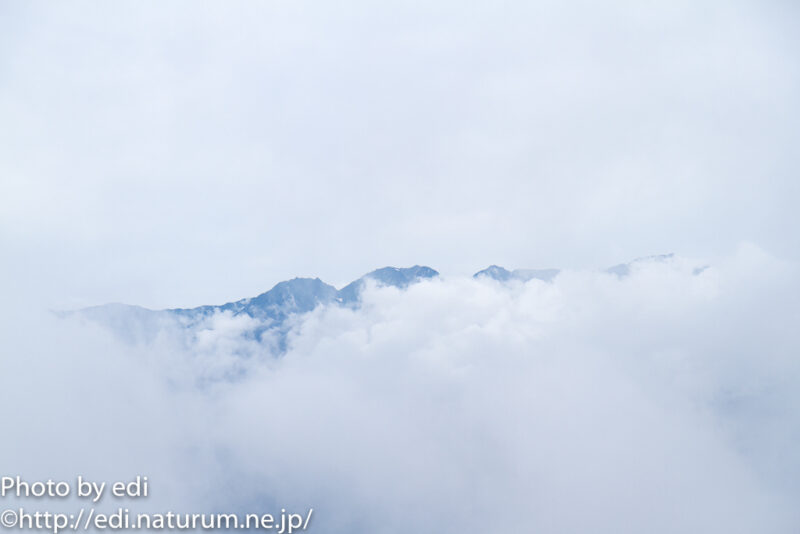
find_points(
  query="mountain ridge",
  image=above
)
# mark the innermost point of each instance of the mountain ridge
(273, 308)
(303, 294)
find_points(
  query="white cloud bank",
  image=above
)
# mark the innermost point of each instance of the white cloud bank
(660, 402)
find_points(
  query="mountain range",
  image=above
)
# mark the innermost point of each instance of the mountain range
(272, 309)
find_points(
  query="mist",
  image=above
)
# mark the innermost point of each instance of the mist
(660, 401)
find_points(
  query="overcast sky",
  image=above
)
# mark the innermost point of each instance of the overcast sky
(181, 153)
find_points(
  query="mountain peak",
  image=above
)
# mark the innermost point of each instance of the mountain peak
(400, 277)
(624, 269)
(502, 274)
(494, 271)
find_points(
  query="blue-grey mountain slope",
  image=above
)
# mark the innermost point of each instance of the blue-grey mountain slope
(271, 310)
(299, 295)
(523, 275)
(387, 276)
(624, 269)
(269, 315)
(621, 270)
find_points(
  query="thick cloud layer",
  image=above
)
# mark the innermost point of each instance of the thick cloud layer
(658, 402)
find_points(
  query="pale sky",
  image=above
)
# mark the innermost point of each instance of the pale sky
(185, 153)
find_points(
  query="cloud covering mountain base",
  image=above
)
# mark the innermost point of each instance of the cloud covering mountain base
(663, 401)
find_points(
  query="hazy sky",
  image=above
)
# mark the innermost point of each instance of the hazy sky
(173, 154)
(183, 153)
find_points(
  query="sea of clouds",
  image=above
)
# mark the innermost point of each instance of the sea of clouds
(664, 401)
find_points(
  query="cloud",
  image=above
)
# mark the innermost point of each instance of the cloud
(660, 402)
